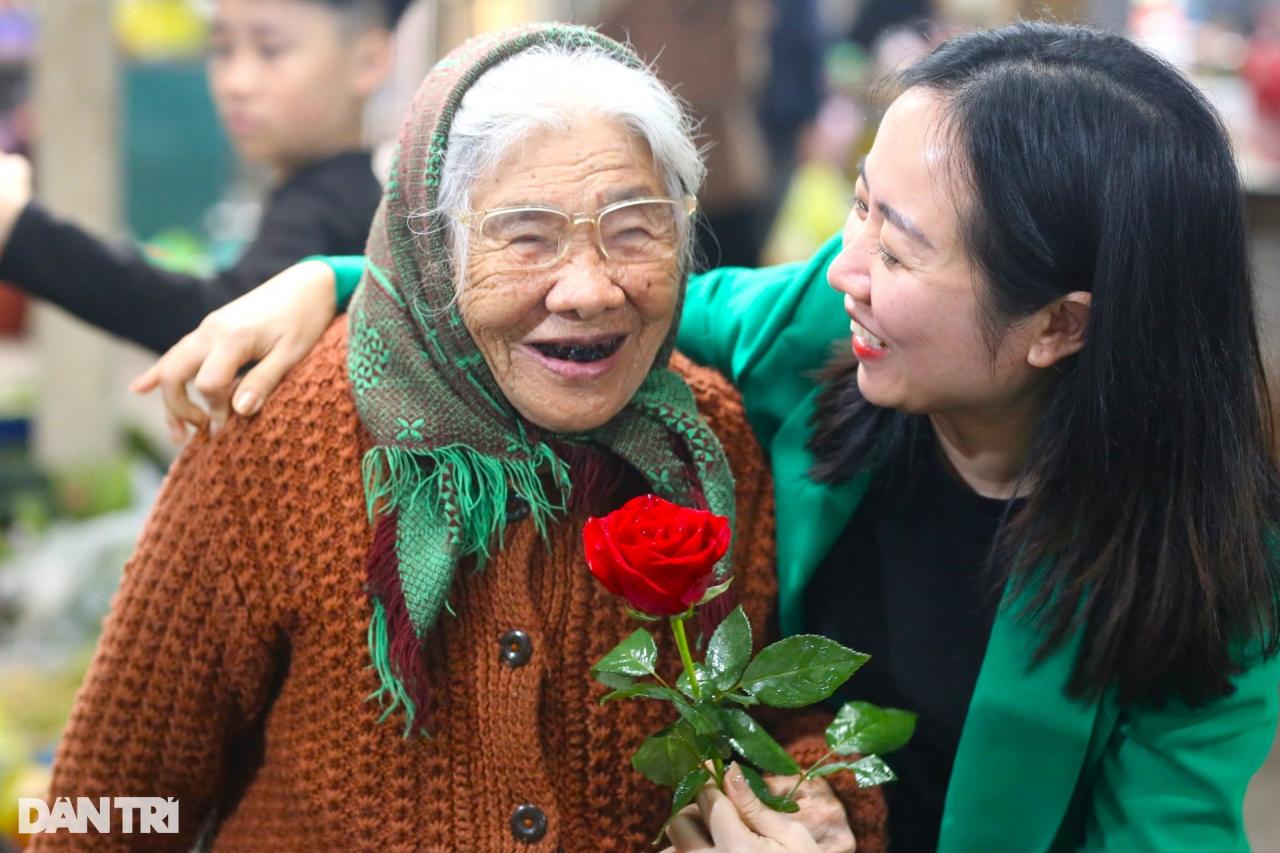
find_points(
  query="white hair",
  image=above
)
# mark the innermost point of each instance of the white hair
(550, 87)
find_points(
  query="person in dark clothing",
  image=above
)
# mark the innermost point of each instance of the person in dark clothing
(325, 207)
(890, 592)
(793, 91)
(289, 79)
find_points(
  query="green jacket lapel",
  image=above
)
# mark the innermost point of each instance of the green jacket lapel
(810, 515)
(1023, 748)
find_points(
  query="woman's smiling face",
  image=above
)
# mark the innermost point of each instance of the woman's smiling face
(569, 346)
(909, 286)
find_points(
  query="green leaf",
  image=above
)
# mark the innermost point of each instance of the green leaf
(715, 745)
(729, 649)
(713, 591)
(833, 767)
(633, 656)
(704, 681)
(643, 617)
(668, 756)
(701, 715)
(742, 698)
(686, 789)
(872, 771)
(613, 679)
(869, 729)
(800, 670)
(869, 771)
(702, 719)
(756, 745)
(778, 804)
(643, 691)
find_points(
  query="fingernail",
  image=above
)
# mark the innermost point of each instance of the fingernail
(246, 403)
(215, 424)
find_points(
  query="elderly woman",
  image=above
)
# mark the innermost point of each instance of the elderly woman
(300, 680)
(1040, 484)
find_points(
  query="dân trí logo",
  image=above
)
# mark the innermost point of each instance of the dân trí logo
(103, 814)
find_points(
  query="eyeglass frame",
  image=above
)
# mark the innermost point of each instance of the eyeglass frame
(575, 219)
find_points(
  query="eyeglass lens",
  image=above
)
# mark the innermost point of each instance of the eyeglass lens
(631, 233)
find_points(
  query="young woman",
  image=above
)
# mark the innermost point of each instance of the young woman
(1041, 490)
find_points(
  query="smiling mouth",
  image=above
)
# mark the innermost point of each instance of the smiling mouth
(581, 353)
(869, 340)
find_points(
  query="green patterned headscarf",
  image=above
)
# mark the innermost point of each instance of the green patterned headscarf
(449, 451)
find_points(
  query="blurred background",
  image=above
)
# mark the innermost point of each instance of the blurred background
(109, 99)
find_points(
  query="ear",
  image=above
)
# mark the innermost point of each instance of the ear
(1061, 327)
(372, 55)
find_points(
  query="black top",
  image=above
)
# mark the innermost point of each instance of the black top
(906, 583)
(325, 209)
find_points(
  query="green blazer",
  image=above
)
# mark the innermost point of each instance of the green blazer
(1035, 770)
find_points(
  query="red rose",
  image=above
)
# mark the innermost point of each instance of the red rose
(658, 556)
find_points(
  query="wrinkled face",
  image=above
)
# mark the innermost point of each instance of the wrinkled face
(569, 346)
(285, 77)
(909, 287)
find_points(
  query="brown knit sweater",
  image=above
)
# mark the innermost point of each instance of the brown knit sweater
(233, 668)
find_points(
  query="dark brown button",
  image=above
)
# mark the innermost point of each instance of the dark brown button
(517, 508)
(528, 823)
(515, 648)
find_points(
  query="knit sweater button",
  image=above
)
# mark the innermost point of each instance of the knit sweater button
(515, 648)
(517, 508)
(528, 823)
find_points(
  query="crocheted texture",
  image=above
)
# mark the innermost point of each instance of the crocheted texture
(233, 666)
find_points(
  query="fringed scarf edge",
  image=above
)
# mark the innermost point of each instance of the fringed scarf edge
(469, 493)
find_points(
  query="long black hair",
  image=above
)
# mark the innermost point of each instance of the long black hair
(1150, 527)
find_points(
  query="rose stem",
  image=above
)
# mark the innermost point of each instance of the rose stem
(805, 775)
(682, 643)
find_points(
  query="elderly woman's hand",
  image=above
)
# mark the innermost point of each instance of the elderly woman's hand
(821, 812)
(275, 325)
(737, 821)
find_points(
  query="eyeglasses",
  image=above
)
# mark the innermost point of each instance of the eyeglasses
(635, 231)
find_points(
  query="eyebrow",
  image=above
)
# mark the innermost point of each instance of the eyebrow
(901, 222)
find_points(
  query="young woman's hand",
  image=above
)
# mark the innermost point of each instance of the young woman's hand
(274, 325)
(737, 821)
(15, 192)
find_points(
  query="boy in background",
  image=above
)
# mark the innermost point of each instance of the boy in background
(289, 79)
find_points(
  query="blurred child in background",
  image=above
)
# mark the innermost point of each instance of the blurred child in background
(289, 79)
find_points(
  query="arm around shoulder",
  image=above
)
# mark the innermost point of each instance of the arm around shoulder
(347, 270)
(767, 330)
